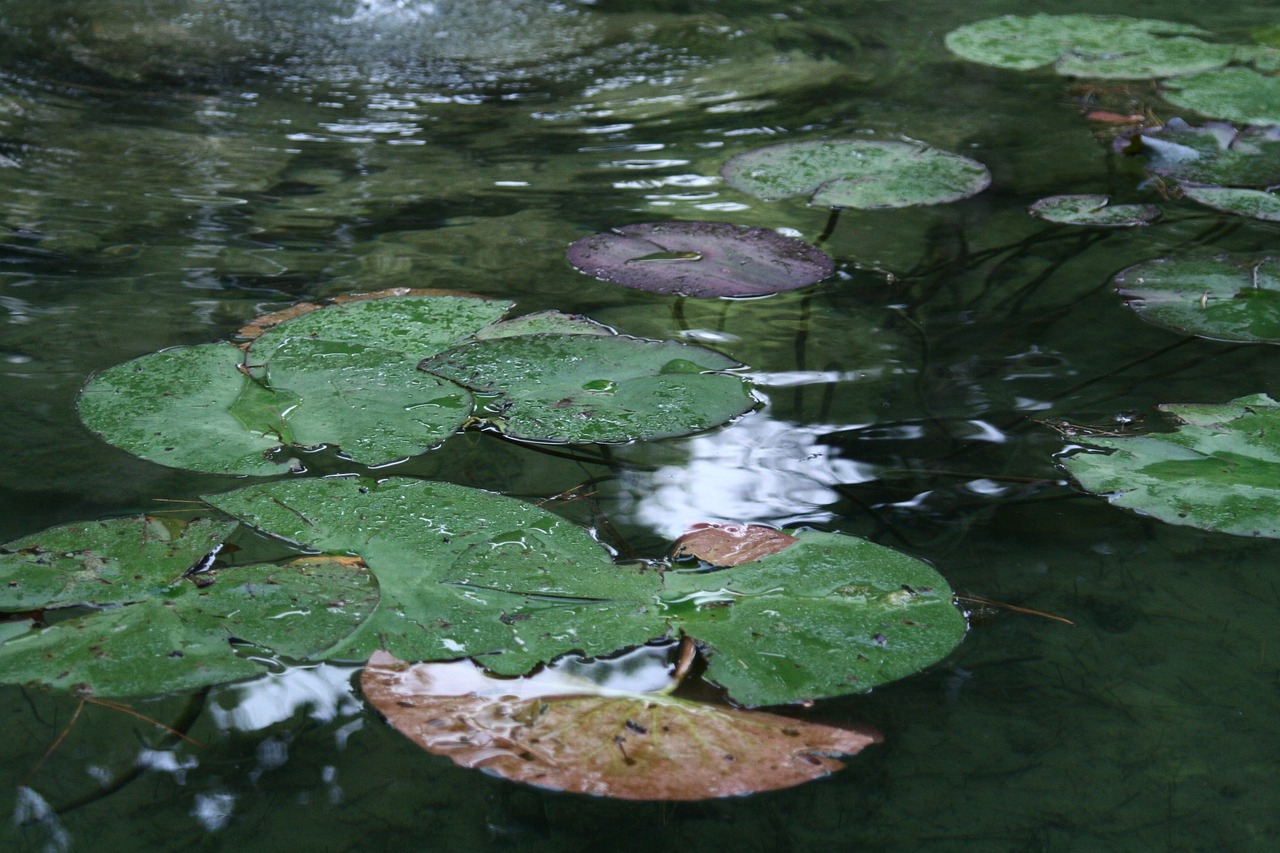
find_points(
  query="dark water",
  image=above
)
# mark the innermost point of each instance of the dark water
(170, 168)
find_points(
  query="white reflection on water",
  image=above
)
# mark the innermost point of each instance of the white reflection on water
(757, 470)
(323, 692)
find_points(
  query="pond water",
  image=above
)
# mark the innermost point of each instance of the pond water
(172, 168)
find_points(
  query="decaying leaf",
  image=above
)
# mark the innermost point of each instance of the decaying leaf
(730, 544)
(567, 734)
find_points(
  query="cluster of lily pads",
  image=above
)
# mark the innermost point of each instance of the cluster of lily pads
(1220, 468)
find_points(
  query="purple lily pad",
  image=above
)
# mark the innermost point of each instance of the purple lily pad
(707, 259)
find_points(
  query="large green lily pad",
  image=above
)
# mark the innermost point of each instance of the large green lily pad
(1105, 46)
(1215, 154)
(1219, 471)
(707, 259)
(857, 173)
(565, 733)
(1095, 210)
(588, 388)
(465, 573)
(1234, 94)
(153, 630)
(1224, 298)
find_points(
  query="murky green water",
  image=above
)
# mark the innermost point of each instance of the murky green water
(170, 168)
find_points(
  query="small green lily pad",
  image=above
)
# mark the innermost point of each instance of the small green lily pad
(1223, 298)
(857, 173)
(1255, 204)
(1095, 210)
(1219, 471)
(1105, 46)
(1235, 94)
(584, 388)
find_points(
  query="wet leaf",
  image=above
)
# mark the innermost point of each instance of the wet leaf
(1216, 154)
(1255, 204)
(1224, 298)
(1095, 210)
(706, 259)
(465, 573)
(151, 630)
(1234, 94)
(1219, 471)
(178, 408)
(410, 532)
(558, 733)
(856, 173)
(544, 323)
(730, 544)
(1106, 46)
(586, 388)
(103, 562)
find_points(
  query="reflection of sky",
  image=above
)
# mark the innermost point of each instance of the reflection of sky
(323, 692)
(757, 470)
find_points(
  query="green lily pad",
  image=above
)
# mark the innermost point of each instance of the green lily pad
(1219, 471)
(585, 388)
(152, 630)
(1223, 298)
(1255, 204)
(856, 173)
(1215, 154)
(179, 407)
(1095, 210)
(559, 731)
(117, 561)
(706, 259)
(544, 323)
(465, 573)
(1105, 46)
(1234, 94)
(410, 532)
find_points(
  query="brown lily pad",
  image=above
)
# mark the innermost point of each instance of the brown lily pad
(565, 734)
(730, 544)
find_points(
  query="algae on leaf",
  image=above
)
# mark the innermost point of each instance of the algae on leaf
(1095, 210)
(856, 173)
(1105, 46)
(1219, 471)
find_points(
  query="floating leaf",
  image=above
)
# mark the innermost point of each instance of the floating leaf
(117, 561)
(730, 544)
(1235, 94)
(544, 323)
(567, 734)
(1095, 210)
(857, 173)
(827, 616)
(1106, 46)
(410, 532)
(1215, 153)
(585, 388)
(1223, 298)
(701, 259)
(178, 407)
(1219, 471)
(1255, 204)
(465, 573)
(152, 630)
